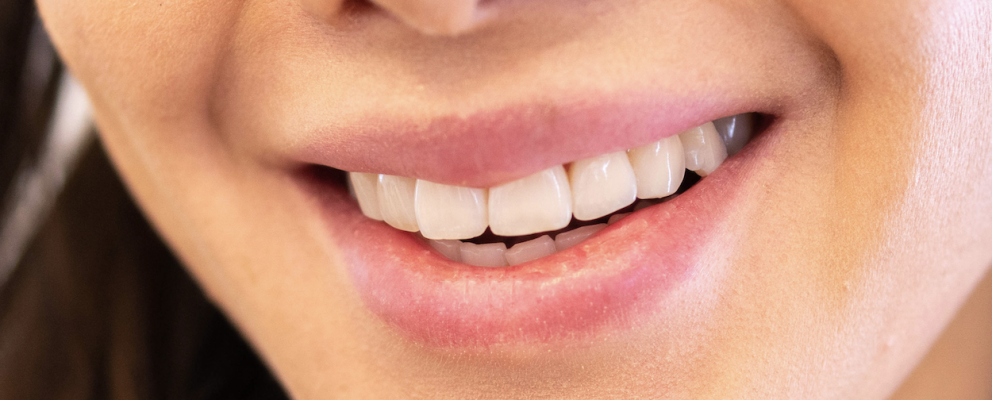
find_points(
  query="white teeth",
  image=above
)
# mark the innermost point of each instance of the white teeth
(449, 248)
(396, 201)
(571, 238)
(484, 255)
(538, 203)
(530, 250)
(601, 185)
(546, 201)
(704, 149)
(450, 212)
(659, 167)
(365, 188)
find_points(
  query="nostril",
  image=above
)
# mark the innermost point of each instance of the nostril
(432, 17)
(324, 9)
(356, 6)
(428, 17)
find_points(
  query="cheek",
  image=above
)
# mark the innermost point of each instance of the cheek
(950, 199)
(149, 69)
(147, 61)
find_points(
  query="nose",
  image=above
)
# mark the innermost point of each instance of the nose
(430, 17)
(434, 17)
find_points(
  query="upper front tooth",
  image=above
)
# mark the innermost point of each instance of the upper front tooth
(659, 167)
(396, 198)
(450, 212)
(735, 130)
(365, 188)
(704, 149)
(537, 203)
(601, 185)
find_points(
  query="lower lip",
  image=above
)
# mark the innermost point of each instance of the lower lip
(608, 282)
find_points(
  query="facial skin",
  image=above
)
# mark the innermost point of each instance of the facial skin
(860, 230)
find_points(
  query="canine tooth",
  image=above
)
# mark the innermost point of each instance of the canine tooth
(601, 185)
(536, 203)
(530, 250)
(483, 255)
(704, 149)
(396, 198)
(568, 239)
(450, 212)
(449, 248)
(616, 217)
(659, 167)
(735, 130)
(365, 187)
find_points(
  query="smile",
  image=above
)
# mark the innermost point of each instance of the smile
(578, 248)
(551, 210)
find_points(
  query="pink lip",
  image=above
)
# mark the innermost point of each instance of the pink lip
(487, 148)
(607, 282)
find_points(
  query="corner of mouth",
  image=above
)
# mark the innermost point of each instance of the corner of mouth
(604, 281)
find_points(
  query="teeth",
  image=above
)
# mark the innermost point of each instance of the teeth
(396, 202)
(546, 201)
(365, 188)
(601, 185)
(736, 131)
(659, 167)
(571, 238)
(484, 255)
(449, 248)
(530, 250)
(450, 212)
(704, 149)
(538, 203)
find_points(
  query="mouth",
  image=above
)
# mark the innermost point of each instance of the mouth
(566, 252)
(554, 209)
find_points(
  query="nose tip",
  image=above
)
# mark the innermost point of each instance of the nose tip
(435, 17)
(429, 17)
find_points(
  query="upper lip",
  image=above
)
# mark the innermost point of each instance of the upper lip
(486, 148)
(610, 281)
(618, 274)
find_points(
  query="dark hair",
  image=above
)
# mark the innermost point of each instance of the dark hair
(98, 307)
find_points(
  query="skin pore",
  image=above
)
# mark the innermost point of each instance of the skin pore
(862, 226)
